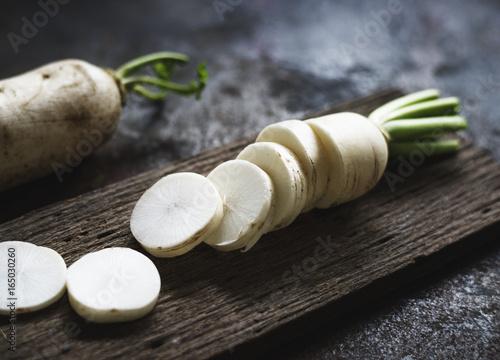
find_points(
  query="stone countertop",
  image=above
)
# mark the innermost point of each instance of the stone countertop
(273, 60)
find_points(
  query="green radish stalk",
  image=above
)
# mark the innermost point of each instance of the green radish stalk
(72, 107)
(420, 116)
(295, 166)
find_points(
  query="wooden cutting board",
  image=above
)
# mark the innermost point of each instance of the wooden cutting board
(328, 262)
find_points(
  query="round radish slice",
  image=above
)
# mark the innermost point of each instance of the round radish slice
(248, 195)
(176, 214)
(303, 142)
(33, 277)
(113, 285)
(290, 182)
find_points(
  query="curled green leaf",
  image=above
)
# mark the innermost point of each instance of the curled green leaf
(163, 64)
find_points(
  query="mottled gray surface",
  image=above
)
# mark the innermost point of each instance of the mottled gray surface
(451, 314)
(272, 60)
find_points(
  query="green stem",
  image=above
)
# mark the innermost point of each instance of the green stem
(133, 81)
(163, 64)
(410, 119)
(148, 94)
(145, 60)
(438, 107)
(410, 129)
(380, 113)
(430, 148)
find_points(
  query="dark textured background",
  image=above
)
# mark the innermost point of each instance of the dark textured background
(273, 60)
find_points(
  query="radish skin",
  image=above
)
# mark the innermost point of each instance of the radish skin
(305, 144)
(358, 155)
(288, 177)
(52, 117)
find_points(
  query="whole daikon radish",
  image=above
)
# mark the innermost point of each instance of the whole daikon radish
(54, 116)
(320, 162)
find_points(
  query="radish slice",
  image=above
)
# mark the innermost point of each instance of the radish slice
(113, 285)
(357, 153)
(248, 195)
(303, 142)
(289, 180)
(38, 277)
(176, 214)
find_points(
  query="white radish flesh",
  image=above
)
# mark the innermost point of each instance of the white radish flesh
(322, 162)
(52, 116)
(39, 275)
(357, 153)
(290, 183)
(176, 214)
(113, 285)
(303, 142)
(248, 196)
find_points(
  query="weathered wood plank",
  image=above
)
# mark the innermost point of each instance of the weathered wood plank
(225, 304)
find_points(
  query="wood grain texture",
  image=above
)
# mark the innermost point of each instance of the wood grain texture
(326, 263)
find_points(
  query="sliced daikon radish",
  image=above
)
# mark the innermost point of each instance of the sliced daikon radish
(33, 277)
(290, 182)
(176, 214)
(113, 285)
(303, 141)
(357, 153)
(248, 196)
